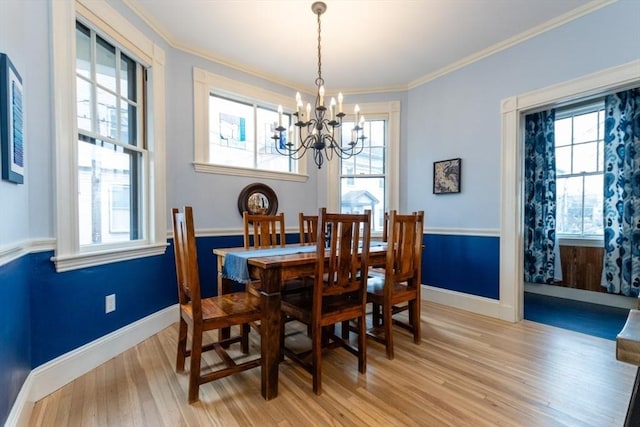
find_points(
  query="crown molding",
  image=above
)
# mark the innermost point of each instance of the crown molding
(533, 32)
(515, 40)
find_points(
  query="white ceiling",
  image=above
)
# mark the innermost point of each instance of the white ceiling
(367, 46)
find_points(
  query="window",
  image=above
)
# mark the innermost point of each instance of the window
(234, 129)
(241, 135)
(111, 148)
(363, 177)
(579, 148)
(369, 180)
(110, 202)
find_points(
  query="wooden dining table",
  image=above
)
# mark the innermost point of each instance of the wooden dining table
(273, 271)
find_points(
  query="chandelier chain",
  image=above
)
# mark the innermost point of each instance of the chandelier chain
(319, 80)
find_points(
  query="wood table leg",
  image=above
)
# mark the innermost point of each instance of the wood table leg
(633, 412)
(270, 332)
(224, 287)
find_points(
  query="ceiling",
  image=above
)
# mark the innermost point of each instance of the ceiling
(367, 46)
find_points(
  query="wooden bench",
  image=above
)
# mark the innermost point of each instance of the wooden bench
(628, 350)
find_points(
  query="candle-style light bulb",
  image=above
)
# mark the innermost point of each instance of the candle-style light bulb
(340, 98)
(321, 93)
(298, 104)
(356, 111)
(279, 115)
(332, 109)
(308, 117)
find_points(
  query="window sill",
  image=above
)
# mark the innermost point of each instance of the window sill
(91, 259)
(253, 173)
(577, 241)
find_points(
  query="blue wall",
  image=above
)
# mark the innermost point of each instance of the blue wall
(468, 264)
(15, 331)
(46, 314)
(68, 308)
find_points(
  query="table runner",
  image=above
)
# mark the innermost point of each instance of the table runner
(235, 263)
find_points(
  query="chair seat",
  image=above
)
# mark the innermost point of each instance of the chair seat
(301, 304)
(231, 309)
(375, 291)
(290, 286)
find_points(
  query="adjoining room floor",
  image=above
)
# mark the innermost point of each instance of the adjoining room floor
(588, 318)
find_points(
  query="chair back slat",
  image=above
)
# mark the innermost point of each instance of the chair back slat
(261, 231)
(385, 227)
(404, 257)
(308, 228)
(186, 259)
(348, 237)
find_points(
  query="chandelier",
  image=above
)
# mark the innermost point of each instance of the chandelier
(317, 132)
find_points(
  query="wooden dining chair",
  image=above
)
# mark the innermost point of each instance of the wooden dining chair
(339, 292)
(263, 231)
(198, 315)
(399, 288)
(308, 225)
(267, 231)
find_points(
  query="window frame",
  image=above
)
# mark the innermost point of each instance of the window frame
(102, 18)
(206, 83)
(573, 110)
(389, 111)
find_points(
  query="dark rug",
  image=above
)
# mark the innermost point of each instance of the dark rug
(592, 319)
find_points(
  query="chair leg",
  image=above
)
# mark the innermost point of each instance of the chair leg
(194, 374)
(388, 332)
(345, 330)
(182, 345)
(244, 342)
(375, 315)
(316, 364)
(415, 318)
(283, 320)
(362, 344)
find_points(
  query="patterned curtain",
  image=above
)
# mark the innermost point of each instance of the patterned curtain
(540, 198)
(621, 270)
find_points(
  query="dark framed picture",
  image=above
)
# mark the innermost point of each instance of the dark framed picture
(12, 141)
(446, 176)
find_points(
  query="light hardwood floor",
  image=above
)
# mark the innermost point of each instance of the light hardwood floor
(469, 370)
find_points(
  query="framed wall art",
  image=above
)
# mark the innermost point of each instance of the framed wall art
(12, 141)
(446, 176)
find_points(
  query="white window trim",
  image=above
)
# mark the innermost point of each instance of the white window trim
(375, 110)
(68, 255)
(205, 83)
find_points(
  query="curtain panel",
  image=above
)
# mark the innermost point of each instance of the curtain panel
(621, 267)
(540, 198)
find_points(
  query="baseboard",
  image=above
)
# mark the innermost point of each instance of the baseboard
(49, 377)
(473, 303)
(601, 298)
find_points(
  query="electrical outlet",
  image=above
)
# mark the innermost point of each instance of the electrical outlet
(110, 303)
